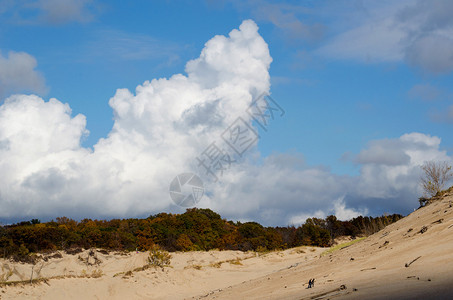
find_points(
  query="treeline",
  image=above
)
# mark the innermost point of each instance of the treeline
(196, 229)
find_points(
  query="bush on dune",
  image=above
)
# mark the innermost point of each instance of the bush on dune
(158, 257)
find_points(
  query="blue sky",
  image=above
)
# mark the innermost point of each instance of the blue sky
(354, 77)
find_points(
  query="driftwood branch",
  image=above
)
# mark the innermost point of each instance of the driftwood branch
(368, 269)
(408, 264)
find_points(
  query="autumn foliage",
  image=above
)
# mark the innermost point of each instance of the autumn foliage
(196, 229)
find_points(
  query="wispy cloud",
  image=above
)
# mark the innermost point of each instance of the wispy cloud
(425, 92)
(419, 33)
(120, 45)
(31, 12)
(444, 116)
(288, 19)
(293, 22)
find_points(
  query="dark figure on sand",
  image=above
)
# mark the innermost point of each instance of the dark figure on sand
(311, 283)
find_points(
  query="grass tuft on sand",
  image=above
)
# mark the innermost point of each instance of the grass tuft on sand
(341, 246)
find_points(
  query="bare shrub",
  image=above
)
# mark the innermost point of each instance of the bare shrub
(436, 175)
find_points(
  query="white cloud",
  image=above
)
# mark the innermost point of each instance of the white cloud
(18, 74)
(418, 32)
(374, 42)
(293, 22)
(283, 189)
(343, 213)
(47, 11)
(285, 18)
(339, 210)
(160, 130)
(63, 11)
(279, 187)
(390, 183)
(154, 138)
(300, 219)
(384, 152)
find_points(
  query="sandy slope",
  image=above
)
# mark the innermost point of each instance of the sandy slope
(374, 268)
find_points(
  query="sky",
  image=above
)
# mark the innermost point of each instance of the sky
(104, 103)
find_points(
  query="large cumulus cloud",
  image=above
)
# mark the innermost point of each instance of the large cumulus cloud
(157, 133)
(160, 130)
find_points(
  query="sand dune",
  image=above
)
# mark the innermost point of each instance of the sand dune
(410, 259)
(102, 276)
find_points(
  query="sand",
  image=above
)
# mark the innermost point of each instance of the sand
(398, 262)
(378, 267)
(191, 274)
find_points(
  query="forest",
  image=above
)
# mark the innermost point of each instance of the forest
(196, 229)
